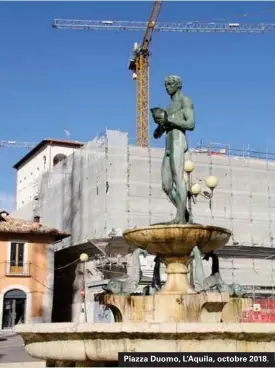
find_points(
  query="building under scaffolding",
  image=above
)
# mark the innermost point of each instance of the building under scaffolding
(110, 184)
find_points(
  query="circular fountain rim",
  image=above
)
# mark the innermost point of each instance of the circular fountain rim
(182, 226)
(63, 328)
(50, 341)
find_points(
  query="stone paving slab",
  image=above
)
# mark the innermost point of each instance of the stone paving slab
(12, 351)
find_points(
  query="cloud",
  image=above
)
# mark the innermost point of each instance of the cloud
(7, 202)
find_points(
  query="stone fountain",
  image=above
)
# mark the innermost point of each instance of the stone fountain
(177, 300)
(180, 317)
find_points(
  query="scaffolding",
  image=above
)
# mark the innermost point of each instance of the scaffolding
(110, 183)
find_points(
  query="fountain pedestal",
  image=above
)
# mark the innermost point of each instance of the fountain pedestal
(161, 308)
(177, 276)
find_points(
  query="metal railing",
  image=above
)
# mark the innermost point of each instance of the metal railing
(227, 150)
(17, 269)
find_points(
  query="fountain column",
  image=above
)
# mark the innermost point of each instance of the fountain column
(177, 276)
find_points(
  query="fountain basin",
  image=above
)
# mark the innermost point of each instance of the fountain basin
(101, 342)
(174, 243)
(177, 240)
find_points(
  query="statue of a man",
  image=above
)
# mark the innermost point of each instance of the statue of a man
(174, 121)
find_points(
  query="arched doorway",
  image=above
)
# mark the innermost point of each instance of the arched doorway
(14, 307)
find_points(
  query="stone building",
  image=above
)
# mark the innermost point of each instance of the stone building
(42, 158)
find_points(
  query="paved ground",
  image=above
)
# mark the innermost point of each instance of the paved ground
(24, 365)
(12, 350)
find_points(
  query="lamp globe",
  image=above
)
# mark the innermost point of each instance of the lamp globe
(211, 182)
(196, 189)
(189, 166)
(84, 257)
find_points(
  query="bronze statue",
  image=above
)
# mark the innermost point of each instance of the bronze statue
(175, 121)
(156, 280)
(127, 286)
(213, 282)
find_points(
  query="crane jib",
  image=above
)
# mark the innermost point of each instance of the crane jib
(164, 26)
(139, 62)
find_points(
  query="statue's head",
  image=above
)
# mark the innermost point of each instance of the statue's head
(172, 84)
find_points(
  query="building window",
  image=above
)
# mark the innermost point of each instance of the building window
(16, 263)
(44, 161)
(58, 158)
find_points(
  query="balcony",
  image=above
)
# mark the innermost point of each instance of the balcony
(18, 269)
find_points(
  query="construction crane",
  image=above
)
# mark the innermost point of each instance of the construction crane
(139, 63)
(16, 144)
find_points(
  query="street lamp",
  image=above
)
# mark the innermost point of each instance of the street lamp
(193, 191)
(83, 259)
(188, 168)
(196, 189)
(211, 182)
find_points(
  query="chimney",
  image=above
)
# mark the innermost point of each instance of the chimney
(36, 219)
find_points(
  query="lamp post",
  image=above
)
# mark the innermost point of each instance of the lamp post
(188, 168)
(83, 259)
(193, 190)
(211, 182)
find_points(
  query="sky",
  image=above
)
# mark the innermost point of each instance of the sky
(54, 80)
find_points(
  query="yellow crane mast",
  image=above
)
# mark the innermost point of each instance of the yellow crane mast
(139, 65)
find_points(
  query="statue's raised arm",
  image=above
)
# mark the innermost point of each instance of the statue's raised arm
(158, 132)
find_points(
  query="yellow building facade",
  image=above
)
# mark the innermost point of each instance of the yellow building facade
(26, 261)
